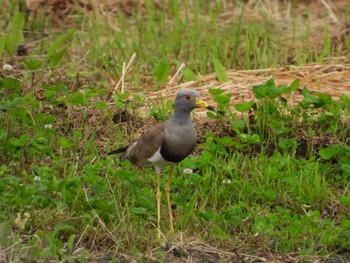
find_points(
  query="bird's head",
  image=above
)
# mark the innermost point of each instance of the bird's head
(187, 100)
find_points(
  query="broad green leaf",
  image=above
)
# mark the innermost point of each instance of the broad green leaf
(268, 89)
(250, 138)
(64, 142)
(92, 169)
(208, 215)
(118, 102)
(344, 200)
(101, 104)
(220, 71)
(78, 98)
(260, 91)
(272, 91)
(216, 92)
(49, 94)
(211, 115)
(346, 223)
(188, 75)
(283, 89)
(328, 153)
(345, 168)
(13, 85)
(223, 99)
(59, 42)
(15, 33)
(161, 72)
(295, 85)
(139, 210)
(309, 99)
(24, 138)
(56, 52)
(261, 225)
(70, 242)
(345, 99)
(64, 227)
(55, 59)
(240, 124)
(20, 142)
(17, 24)
(32, 64)
(325, 98)
(124, 96)
(286, 144)
(243, 107)
(3, 134)
(42, 144)
(311, 132)
(91, 179)
(138, 98)
(226, 141)
(4, 105)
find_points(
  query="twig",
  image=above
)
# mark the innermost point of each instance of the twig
(121, 220)
(160, 232)
(102, 224)
(331, 13)
(177, 73)
(11, 246)
(84, 231)
(123, 77)
(125, 70)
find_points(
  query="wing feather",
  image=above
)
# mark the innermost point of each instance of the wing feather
(144, 148)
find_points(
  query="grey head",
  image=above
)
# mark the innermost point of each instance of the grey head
(187, 100)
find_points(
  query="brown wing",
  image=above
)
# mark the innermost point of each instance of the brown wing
(144, 148)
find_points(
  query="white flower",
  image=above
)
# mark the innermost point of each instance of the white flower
(13, 164)
(7, 67)
(48, 126)
(187, 171)
(37, 178)
(226, 181)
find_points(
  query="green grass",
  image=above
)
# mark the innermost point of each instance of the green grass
(277, 181)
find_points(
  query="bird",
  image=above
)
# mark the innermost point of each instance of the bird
(167, 144)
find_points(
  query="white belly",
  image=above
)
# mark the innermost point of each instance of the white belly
(158, 161)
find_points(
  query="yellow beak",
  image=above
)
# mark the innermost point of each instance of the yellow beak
(203, 104)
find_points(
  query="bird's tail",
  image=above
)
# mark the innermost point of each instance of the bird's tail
(120, 150)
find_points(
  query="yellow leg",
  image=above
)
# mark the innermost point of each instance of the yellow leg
(167, 195)
(158, 196)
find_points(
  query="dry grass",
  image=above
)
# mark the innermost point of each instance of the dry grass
(327, 78)
(198, 251)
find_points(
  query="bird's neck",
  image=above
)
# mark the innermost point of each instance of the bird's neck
(182, 117)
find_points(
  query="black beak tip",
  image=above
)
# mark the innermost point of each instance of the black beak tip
(210, 108)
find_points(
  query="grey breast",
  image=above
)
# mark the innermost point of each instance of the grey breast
(179, 140)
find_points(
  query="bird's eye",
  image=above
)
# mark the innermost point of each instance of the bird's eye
(188, 97)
